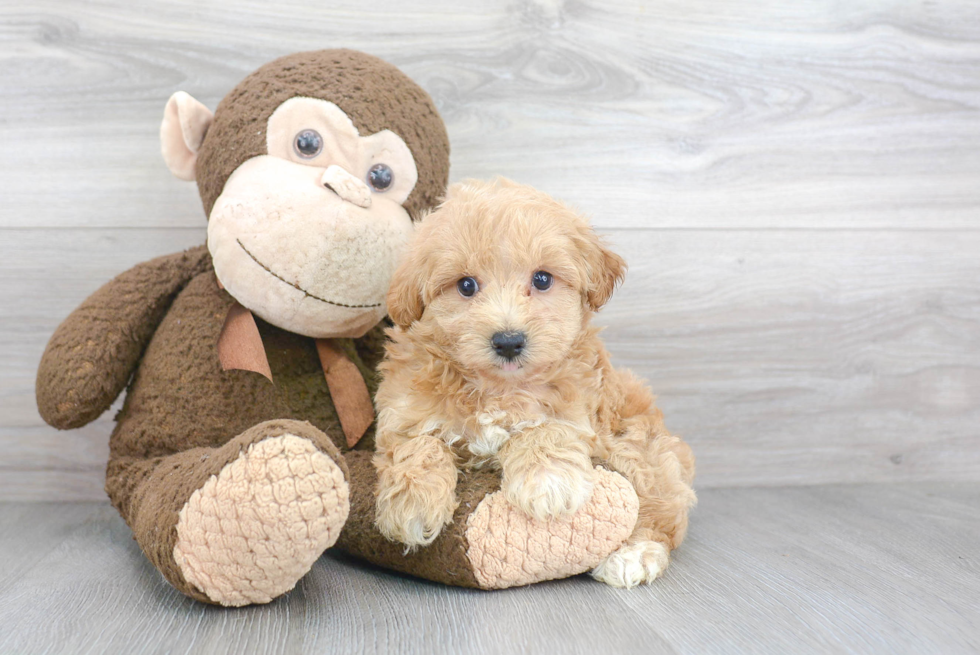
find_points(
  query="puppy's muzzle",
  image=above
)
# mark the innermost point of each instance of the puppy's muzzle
(508, 345)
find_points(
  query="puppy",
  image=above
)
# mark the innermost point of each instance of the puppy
(493, 362)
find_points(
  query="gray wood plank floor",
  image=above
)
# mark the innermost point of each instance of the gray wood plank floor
(861, 569)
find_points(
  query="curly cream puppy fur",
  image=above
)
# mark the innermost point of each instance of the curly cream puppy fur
(493, 362)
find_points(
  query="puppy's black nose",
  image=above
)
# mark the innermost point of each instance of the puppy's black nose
(508, 344)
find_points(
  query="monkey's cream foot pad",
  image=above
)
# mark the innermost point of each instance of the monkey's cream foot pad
(252, 531)
(507, 548)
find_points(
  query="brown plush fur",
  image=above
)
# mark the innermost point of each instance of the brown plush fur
(373, 93)
(448, 400)
(79, 377)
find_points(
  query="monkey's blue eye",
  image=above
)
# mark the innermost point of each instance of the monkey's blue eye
(380, 177)
(308, 144)
(467, 287)
(542, 280)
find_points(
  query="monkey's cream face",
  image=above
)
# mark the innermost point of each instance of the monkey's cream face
(308, 236)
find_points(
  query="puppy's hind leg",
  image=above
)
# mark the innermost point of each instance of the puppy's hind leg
(661, 468)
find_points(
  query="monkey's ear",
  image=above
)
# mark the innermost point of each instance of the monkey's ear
(185, 122)
(405, 305)
(605, 269)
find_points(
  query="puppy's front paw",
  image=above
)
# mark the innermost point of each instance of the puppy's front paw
(633, 564)
(413, 514)
(549, 489)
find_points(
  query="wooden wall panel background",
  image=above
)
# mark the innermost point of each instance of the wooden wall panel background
(796, 187)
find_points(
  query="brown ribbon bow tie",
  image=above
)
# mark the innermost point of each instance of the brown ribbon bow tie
(240, 347)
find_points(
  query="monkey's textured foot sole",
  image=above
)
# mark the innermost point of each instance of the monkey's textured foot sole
(507, 548)
(252, 531)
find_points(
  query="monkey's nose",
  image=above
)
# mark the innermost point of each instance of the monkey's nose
(508, 344)
(346, 186)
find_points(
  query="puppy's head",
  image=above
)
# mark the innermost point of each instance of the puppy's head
(502, 278)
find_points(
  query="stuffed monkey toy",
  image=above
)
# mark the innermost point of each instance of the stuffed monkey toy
(243, 449)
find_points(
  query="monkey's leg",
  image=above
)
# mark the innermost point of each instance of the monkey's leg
(661, 468)
(490, 544)
(240, 523)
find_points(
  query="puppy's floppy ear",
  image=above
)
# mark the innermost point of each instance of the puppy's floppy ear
(405, 305)
(604, 268)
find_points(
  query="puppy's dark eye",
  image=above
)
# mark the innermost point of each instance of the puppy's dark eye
(308, 144)
(467, 287)
(380, 177)
(542, 280)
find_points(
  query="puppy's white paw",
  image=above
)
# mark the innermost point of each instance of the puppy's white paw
(413, 518)
(633, 564)
(550, 489)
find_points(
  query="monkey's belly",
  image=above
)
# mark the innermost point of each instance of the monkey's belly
(180, 398)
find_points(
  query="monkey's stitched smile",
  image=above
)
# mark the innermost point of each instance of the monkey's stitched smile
(299, 288)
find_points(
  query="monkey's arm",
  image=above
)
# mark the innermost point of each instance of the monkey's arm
(92, 354)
